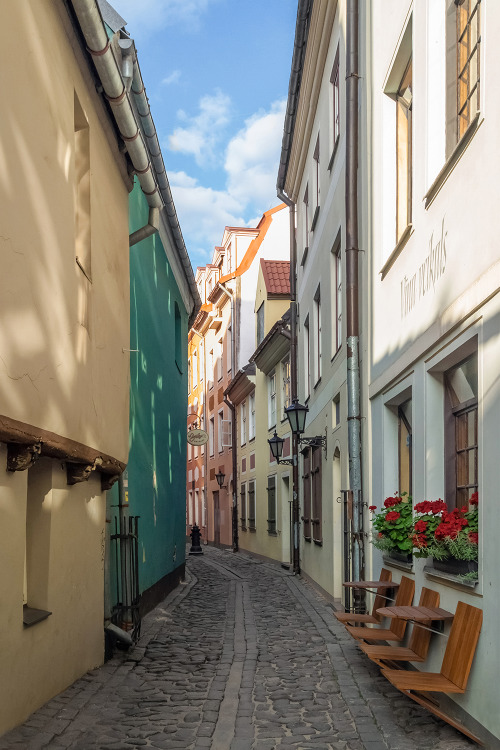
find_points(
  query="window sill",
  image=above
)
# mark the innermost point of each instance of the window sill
(396, 252)
(272, 533)
(448, 579)
(317, 383)
(304, 256)
(307, 539)
(334, 152)
(452, 160)
(315, 218)
(399, 564)
(252, 529)
(318, 542)
(32, 616)
(336, 355)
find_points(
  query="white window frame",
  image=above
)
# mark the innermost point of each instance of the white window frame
(251, 416)
(211, 436)
(317, 336)
(220, 429)
(243, 422)
(272, 399)
(286, 383)
(307, 359)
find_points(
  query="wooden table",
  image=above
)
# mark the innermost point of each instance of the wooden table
(371, 584)
(417, 614)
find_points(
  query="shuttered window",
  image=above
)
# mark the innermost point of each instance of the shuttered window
(251, 505)
(243, 506)
(271, 505)
(316, 520)
(306, 483)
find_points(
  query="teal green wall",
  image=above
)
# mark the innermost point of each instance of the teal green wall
(158, 404)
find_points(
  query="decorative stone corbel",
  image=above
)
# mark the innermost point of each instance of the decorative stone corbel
(76, 473)
(21, 457)
(108, 480)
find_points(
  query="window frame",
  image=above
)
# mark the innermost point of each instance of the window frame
(252, 521)
(251, 416)
(272, 400)
(272, 509)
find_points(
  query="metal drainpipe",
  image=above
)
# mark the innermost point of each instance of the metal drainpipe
(294, 382)
(232, 407)
(352, 286)
(152, 227)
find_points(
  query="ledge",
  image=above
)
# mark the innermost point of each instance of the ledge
(408, 566)
(315, 218)
(304, 255)
(397, 250)
(31, 615)
(448, 578)
(332, 157)
(452, 160)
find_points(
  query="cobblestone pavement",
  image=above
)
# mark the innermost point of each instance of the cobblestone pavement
(243, 656)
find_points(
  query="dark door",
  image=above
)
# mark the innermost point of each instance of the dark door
(216, 518)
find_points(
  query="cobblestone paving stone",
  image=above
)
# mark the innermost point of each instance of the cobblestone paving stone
(244, 656)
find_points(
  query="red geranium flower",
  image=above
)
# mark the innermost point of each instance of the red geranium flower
(474, 499)
(393, 515)
(372, 508)
(473, 537)
(389, 502)
(420, 525)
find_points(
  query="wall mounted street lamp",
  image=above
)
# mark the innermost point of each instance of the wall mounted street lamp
(296, 414)
(220, 476)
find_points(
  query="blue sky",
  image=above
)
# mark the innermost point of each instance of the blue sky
(216, 74)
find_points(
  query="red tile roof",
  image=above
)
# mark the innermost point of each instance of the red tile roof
(276, 276)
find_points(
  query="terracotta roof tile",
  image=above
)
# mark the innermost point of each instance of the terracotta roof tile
(276, 276)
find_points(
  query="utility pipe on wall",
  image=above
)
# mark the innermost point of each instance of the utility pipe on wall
(148, 229)
(352, 286)
(293, 382)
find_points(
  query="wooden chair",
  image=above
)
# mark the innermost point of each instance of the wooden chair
(418, 645)
(379, 601)
(455, 669)
(397, 628)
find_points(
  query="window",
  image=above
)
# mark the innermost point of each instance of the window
(203, 519)
(243, 506)
(306, 493)
(178, 336)
(337, 299)
(210, 373)
(202, 359)
(211, 435)
(251, 505)
(82, 190)
(317, 335)
(403, 152)
(463, 67)
(285, 369)
(251, 414)
(307, 371)
(461, 434)
(226, 433)
(220, 430)
(220, 354)
(316, 184)
(189, 376)
(306, 217)
(405, 447)
(335, 81)
(271, 386)
(271, 505)
(260, 324)
(336, 411)
(316, 492)
(195, 369)
(243, 422)
(229, 344)
(38, 526)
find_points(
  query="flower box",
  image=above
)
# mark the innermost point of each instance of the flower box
(454, 566)
(404, 557)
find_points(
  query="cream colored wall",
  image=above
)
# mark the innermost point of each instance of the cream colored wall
(52, 373)
(40, 661)
(462, 302)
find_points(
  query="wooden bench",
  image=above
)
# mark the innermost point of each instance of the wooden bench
(397, 628)
(418, 645)
(379, 601)
(455, 669)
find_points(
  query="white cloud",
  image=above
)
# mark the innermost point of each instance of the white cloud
(204, 131)
(252, 157)
(174, 77)
(251, 166)
(146, 16)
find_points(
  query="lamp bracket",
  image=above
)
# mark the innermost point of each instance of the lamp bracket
(286, 461)
(314, 442)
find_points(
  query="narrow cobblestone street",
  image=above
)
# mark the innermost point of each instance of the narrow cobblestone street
(242, 656)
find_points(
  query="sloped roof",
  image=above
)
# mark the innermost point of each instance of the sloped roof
(276, 276)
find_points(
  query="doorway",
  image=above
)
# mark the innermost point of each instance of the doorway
(286, 522)
(216, 518)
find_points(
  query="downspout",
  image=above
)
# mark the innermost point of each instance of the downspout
(352, 288)
(294, 380)
(234, 435)
(148, 229)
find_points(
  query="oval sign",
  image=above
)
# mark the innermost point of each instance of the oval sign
(197, 437)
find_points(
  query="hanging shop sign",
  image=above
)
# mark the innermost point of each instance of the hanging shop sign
(197, 437)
